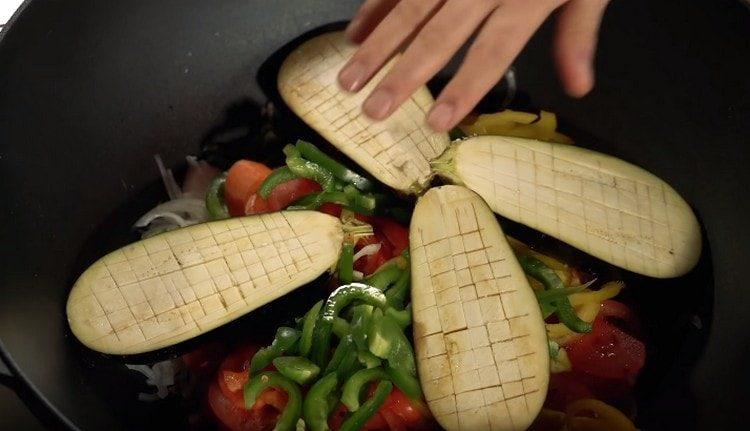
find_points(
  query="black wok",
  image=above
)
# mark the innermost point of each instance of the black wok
(91, 90)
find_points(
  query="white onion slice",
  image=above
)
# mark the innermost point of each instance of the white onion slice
(367, 250)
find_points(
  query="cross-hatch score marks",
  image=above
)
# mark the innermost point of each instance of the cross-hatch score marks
(604, 206)
(177, 285)
(478, 333)
(396, 151)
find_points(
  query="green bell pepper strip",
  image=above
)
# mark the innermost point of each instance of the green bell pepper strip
(339, 298)
(557, 294)
(387, 341)
(349, 365)
(308, 325)
(397, 295)
(362, 204)
(215, 204)
(306, 169)
(353, 387)
(402, 317)
(367, 359)
(408, 383)
(346, 346)
(360, 326)
(346, 264)
(385, 276)
(341, 328)
(535, 268)
(316, 407)
(278, 176)
(341, 172)
(284, 340)
(288, 419)
(297, 368)
(357, 420)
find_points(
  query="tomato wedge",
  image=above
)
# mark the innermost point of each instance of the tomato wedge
(396, 234)
(369, 264)
(244, 179)
(226, 398)
(608, 351)
(281, 196)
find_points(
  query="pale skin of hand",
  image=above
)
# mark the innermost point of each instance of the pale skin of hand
(430, 32)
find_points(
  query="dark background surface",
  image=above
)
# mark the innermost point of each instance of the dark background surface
(90, 90)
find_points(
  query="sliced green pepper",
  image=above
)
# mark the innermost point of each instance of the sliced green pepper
(388, 341)
(367, 359)
(361, 204)
(353, 387)
(306, 169)
(550, 280)
(360, 326)
(317, 406)
(284, 340)
(386, 275)
(397, 295)
(215, 204)
(313, 154)
(402, 317)
(345, 347)
(346, 263)
(297, 368)
(308, 324)
(341, 327)
(357, 420)
(278, 176)
(340, 298)
(288, 419)
(408, 383)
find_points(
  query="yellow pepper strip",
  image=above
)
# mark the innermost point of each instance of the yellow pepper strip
(587, 305)
(595, 415)
(519, 124)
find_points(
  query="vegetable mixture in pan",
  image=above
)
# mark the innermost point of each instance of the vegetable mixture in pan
(434, 317)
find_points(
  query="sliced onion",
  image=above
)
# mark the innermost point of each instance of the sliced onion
(173, 189)
(172, 215)
(358, 275)
(198, 177)
(367, 250)
(160, 375)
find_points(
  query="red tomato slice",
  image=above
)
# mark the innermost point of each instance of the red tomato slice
(396, 234)
(289, 192)
(331, 209)
(227, 400)
(607, 351)
(244, 179)
(369, 264)
(395, 423)
(413, 414)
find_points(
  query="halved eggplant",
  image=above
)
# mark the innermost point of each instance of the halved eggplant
(396, 151)
(479, 335)
(180, 284)
(611, 209)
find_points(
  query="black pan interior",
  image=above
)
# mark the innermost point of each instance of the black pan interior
(92, 91)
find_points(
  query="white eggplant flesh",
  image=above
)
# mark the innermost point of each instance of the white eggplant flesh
(396, 151)
(604, 206)
(479, 336)
(180, 284)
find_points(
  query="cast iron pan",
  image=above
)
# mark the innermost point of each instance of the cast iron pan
(91, 90)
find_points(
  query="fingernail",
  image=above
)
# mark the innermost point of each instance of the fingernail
(352, 77)
(441, 116)
(378, 105)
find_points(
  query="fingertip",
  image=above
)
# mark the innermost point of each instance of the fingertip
(442, 117)
(580, 80)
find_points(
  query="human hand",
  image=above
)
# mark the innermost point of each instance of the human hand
(433, 30)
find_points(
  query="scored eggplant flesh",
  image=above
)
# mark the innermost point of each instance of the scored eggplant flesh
(396, 151)
(479, 335)
(180, 284)
(604, 206)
